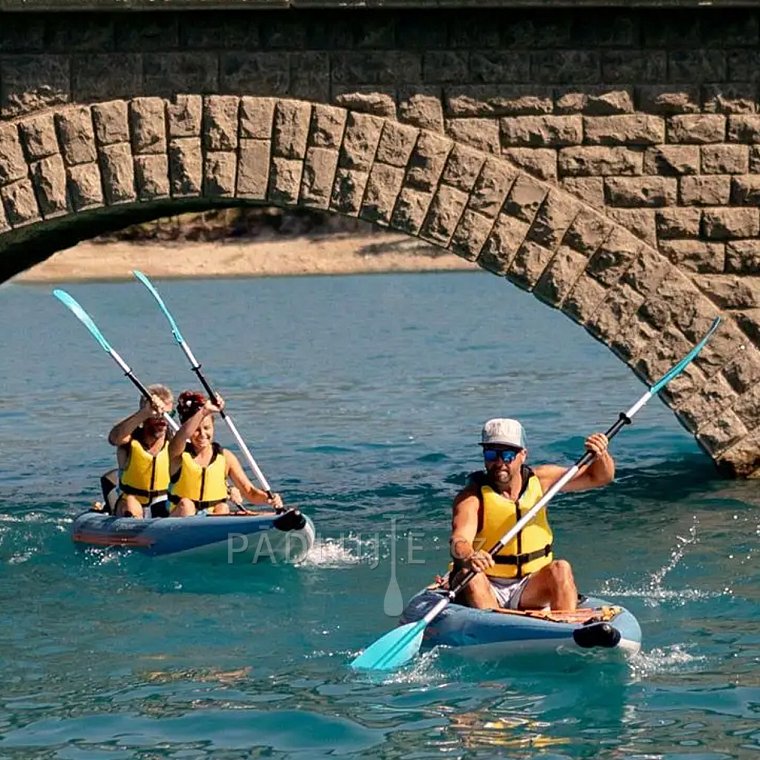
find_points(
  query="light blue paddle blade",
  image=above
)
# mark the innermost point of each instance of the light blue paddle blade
(148, 284)
(681, 366)
(83, 317)
(393, 650)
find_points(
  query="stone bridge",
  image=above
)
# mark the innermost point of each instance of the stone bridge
(607, 160)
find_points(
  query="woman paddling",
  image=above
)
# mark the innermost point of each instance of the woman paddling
(199, 466)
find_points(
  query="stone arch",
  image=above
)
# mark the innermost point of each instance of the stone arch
(71, 172)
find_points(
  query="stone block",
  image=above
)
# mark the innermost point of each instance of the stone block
(110, 121)
(525, 198)
(541, 131)
(327, 126)
(360, 141)
(290, 132)
(76, 135)
(626, 66)
(497, 66)
(310, 76)
(396, 143)
(529, 264)
(646, 272)
(614, 256)
(668, 99)
(152, 177)
(565, 67)
(421, 107)
(628, 129)
(443, 215)
(256, 118)
(167, 73)
(183, 116)
(253, 169)
(697, 65)
(599, 100)
(103, 77)
(730, 223)
(745, 191)
(614, 313)
(599, 161)
(584, 299)
(697, 129)
(672, 160)
(552, 220)
(498, 100)
(482, 134)
(318, 177)
(13, 165)
(725, 159)
(383, 187)
(118, 173)
(560, 276)
(284, 180)
(427, 160)
(371, 99)
(462, 167)
(633, 192)
(49, 179)
(410, 210)
(589, 189)
(348, 191)
(729, 98)
(84, 186)
(470, 235)
(491, 187)
(587, 232)
(540, 162)
(707, 403)
(640, 221)
(38, 136)
(744, 128)
(678, 222)
(695, 255)
(20, 203)
(375, 67)
(754, 159)
(220, 122)
(743, 375)
(704, 190)
(147, 125)
(730, 291)
(445, 66)
(185, 167)
(502, 244)
(219, 172)
(743, 257)
(721, 433)
(265, 73)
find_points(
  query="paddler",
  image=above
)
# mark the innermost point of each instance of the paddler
(524, 575)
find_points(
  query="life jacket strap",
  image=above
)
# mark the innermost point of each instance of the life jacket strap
(199, 505)
(141, 491)
(522, 559)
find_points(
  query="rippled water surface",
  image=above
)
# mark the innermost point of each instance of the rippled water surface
(362, 399)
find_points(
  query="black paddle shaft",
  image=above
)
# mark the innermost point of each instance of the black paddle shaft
(587, 458)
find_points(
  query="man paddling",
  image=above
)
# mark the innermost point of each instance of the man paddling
(524, 574)
(143, 457)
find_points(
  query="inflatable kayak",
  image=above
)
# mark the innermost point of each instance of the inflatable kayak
(494, 633)
(261, 537)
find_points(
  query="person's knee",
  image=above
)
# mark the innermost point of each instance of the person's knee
(561, 571)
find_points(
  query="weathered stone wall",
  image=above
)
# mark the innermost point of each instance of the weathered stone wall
(607, 161)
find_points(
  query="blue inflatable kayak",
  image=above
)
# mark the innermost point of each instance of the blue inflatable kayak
(263, 537)
(491, 634)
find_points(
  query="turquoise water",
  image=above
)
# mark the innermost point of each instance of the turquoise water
(362, 399)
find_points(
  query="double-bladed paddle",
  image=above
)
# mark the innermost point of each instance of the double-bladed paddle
(400, 645)
(88, 322)
(196, 367)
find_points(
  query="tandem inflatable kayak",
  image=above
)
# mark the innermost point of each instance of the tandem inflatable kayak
(490, 634)
(261, 537)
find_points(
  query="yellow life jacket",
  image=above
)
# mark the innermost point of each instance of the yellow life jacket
(531, 549)
(206, 486)
(146, 476)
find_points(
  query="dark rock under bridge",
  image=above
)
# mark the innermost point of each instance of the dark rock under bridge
(608, 160)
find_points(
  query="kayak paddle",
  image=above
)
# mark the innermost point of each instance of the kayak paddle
(87, 321)
(196, 367)
(400, 645)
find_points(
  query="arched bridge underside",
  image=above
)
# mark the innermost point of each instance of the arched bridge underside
(70, 170)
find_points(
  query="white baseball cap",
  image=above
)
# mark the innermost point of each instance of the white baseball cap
(504, 432)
